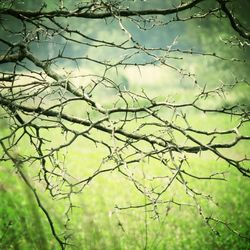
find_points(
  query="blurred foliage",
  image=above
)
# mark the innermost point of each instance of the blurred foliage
(95, 226)
(22, 226)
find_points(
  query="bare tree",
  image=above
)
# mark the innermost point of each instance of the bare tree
(60, 84)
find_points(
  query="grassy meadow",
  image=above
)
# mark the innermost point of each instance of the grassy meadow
(96, 224)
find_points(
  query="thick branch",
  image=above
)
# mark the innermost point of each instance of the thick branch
(123, 13)
(163, 143)
(11, 58)
(234, 22)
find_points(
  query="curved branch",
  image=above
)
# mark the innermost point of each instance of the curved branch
(234, 22)
(77, 13)
(163, 143)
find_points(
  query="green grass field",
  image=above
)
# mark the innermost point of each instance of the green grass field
(96, 224)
